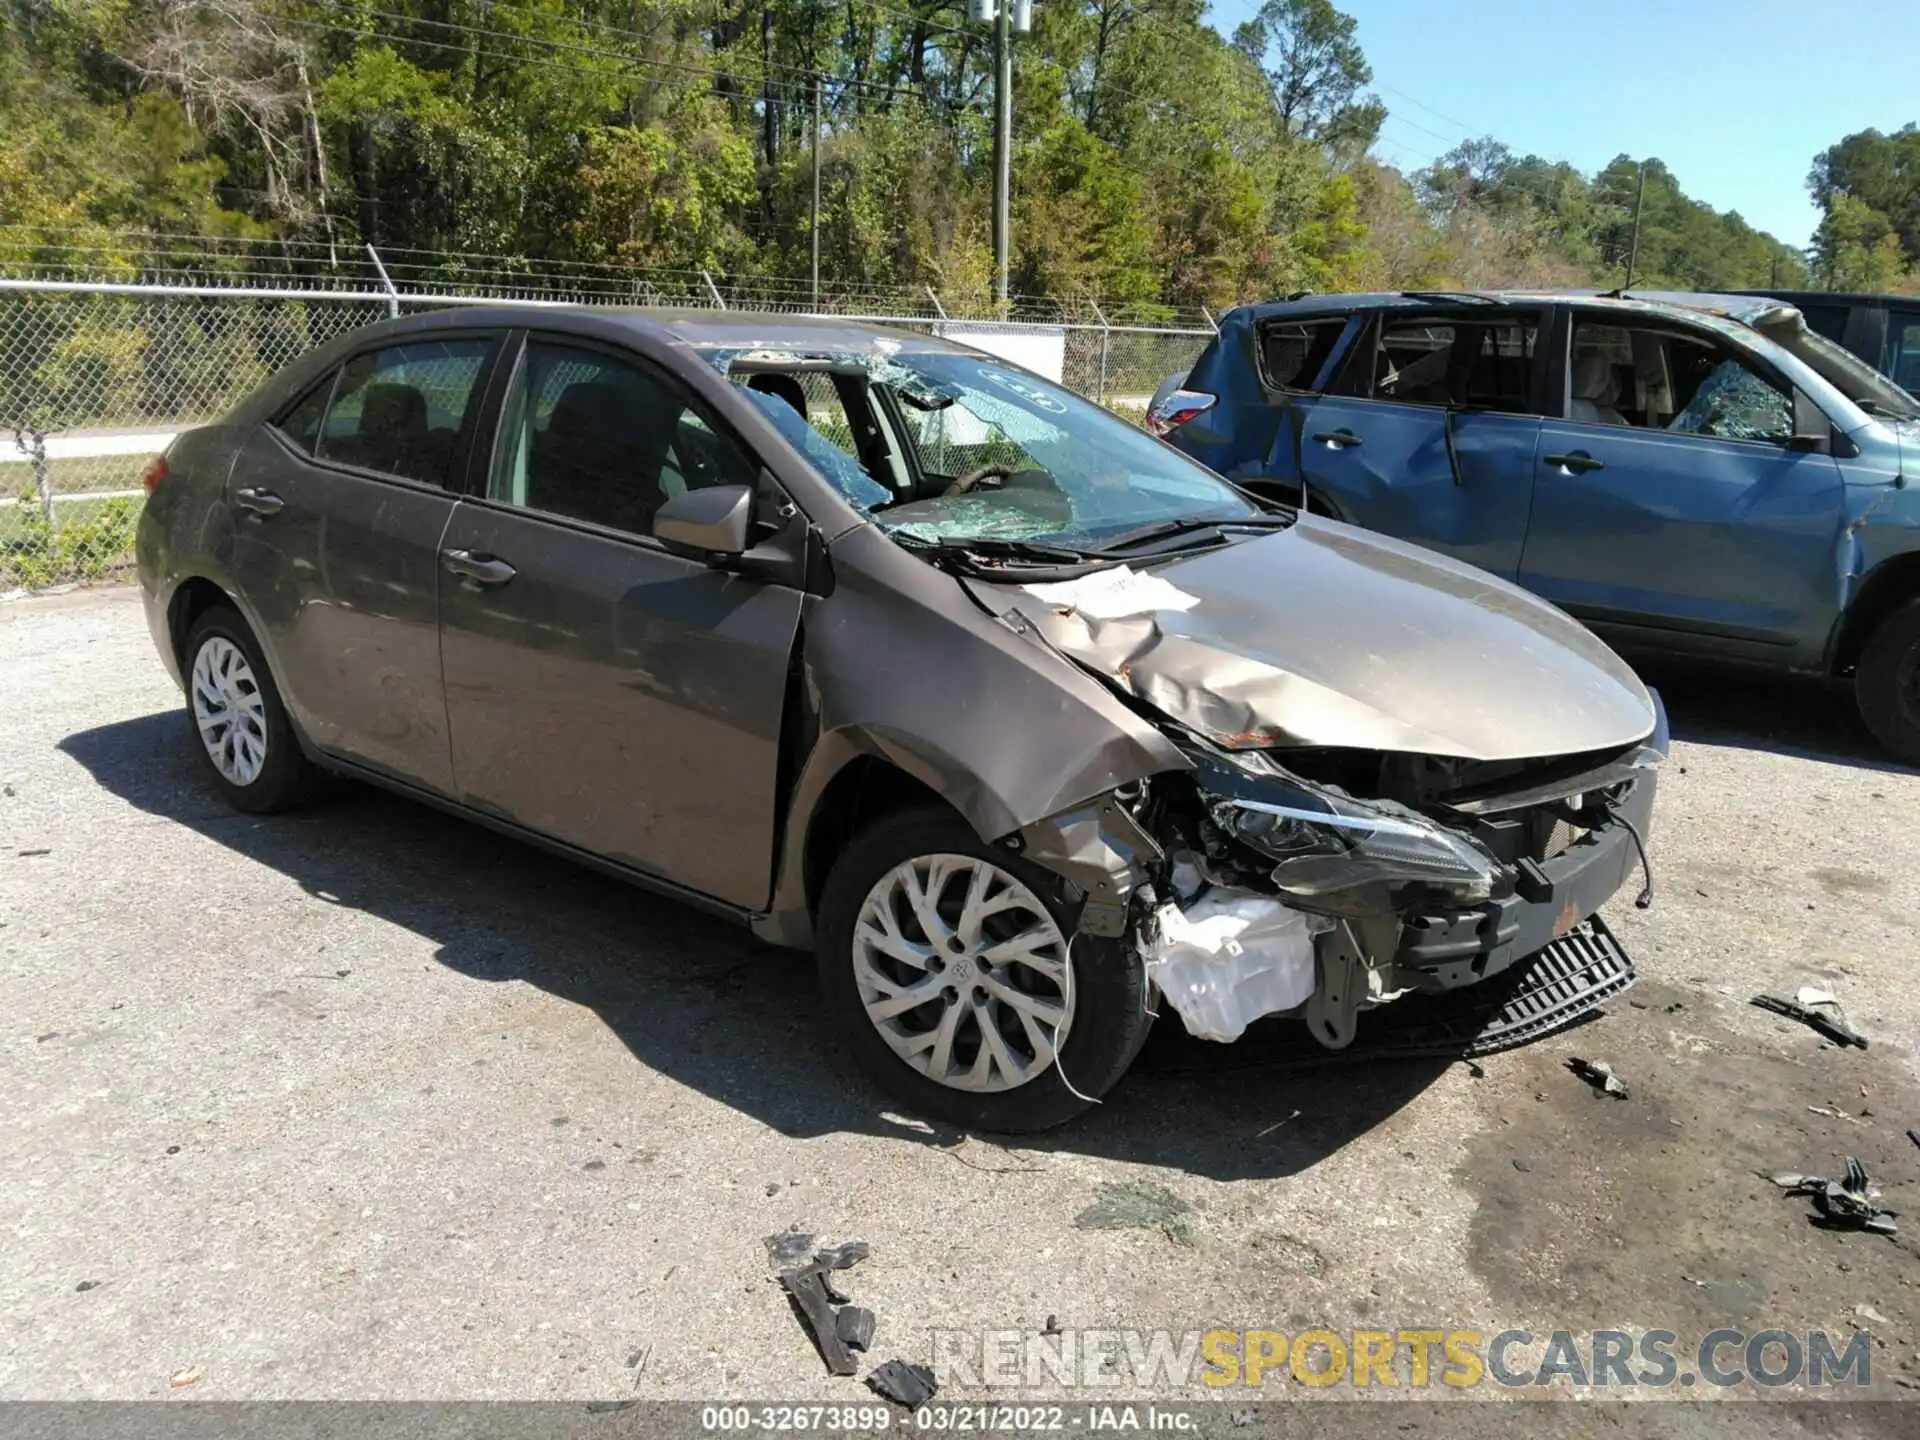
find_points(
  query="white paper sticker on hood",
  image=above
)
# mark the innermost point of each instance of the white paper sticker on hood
(1114, 594)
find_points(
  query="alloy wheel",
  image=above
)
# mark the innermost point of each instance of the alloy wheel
(229, 710)
(963, 971)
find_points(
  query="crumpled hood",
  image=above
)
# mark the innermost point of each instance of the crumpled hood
(1324, 634)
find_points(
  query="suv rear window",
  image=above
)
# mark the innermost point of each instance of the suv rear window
(1294, 352)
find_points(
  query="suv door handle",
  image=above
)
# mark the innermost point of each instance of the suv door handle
(1574, 461)
(1337, 439)
(477, 570)
(261, 502)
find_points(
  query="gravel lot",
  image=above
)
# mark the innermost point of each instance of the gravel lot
(367, 1102)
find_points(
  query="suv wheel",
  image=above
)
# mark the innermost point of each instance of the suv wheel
(1887, 683)
(241, 727)
(946, 964)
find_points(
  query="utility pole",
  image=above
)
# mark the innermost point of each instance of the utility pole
(814, 225)
(1633, 246)
(1002, 142)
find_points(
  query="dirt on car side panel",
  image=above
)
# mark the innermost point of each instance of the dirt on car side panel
(899, 664)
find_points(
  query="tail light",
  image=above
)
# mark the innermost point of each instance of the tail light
(155, 472)
(1174, 410)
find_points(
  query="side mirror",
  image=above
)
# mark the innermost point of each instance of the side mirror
(713, 523)
(1811, 428)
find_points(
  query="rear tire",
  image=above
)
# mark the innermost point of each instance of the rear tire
(1007, 961)
(239, 725)
(1886, 685)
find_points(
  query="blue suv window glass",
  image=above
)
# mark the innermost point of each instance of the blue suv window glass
(1903, 351)
(1482, 365)
(1294, 352)
(1661, 380)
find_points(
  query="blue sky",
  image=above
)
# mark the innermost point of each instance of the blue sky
(1736, 96)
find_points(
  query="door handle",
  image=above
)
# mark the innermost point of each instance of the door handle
(1337, 439)
(260, 502)
(1575, 461)
(477, 570)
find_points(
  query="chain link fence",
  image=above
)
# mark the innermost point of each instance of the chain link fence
(97, 378)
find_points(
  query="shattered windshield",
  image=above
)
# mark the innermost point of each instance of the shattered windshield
(1005, 454)
(956, 449)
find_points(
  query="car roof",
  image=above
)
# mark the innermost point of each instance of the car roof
(701, 328)
(1742, 308)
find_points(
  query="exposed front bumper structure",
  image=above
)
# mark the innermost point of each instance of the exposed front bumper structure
(1447, 949)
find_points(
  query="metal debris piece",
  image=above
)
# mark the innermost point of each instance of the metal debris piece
(1845, 1204)
(1871, 1315)
(1835, 1030)
(1599, 1074)
(854, 1325)
(809, 1297)
(904, 1384)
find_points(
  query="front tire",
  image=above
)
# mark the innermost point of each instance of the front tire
(1887, 683)
(240, 726)
(947, 966)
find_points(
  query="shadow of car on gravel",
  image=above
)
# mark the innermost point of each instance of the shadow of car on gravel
(699, 1000)
(1714, 705)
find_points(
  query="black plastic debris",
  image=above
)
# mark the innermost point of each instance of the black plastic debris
(1845, 1204)
(1599, 1074)
(788, 1248)
(854, 1325)
(838, 1328)
(809, 1297)
(843, 1257)
(1834, 1029)
(1914, 1135)
(904, 1384)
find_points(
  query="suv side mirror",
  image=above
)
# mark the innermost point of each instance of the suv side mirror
(713, 523)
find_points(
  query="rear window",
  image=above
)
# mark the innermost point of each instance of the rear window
(1294, 352)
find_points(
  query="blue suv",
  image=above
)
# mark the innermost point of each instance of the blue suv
(1697, 476)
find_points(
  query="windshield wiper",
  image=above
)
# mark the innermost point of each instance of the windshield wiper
(998, 547)
(1192, 524)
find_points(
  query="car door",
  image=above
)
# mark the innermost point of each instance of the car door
(1674, 506)
(601, 690)
(1429, 431)
(338, 506)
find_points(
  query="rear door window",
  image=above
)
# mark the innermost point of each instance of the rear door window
(1462, 363)
(1294, 352)
(398, 410)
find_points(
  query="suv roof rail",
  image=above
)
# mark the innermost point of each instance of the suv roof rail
(1472, 297)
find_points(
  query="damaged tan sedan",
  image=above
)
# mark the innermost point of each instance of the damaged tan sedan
(1023, 721)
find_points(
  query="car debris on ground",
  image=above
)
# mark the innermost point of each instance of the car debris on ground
(839, 1327)
(1807, 1009)
(902, 1383)
(1599, 1074)
(1845, 1204)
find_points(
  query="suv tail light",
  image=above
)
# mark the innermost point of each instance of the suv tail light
(1175, 410)
(155, 472)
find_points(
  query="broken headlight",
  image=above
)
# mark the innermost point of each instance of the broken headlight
(1326, 844)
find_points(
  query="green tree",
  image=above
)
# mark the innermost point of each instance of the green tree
(1314, 63)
